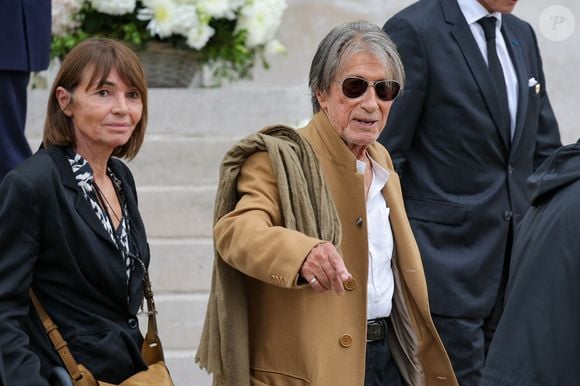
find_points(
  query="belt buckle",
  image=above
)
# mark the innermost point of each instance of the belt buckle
(376, 330)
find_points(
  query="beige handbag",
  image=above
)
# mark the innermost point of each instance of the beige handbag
(156, 375)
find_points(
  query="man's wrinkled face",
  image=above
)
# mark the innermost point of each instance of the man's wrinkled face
(358, 121)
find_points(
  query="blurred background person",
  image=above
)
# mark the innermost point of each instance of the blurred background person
(24, 47)
(285, 199)
(473, 123)
(70, 227)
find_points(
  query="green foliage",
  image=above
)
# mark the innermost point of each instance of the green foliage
(226, 52)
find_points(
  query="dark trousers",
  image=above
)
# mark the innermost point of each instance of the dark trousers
(14, 147)
(380, 369)
(464, 340)
(467, 340)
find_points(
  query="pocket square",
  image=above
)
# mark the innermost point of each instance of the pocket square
(532, 82)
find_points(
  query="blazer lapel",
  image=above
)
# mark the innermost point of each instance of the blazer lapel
(519, 63)
(463, 36)
(81, 204)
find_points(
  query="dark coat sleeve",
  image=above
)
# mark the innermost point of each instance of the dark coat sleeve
(537, 340)
(18, 254)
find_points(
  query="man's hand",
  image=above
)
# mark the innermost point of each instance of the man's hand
(324, 269)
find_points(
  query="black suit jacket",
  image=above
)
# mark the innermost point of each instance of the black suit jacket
(463, 183)
(52, 241)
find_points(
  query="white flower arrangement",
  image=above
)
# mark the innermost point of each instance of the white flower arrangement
(228, 34)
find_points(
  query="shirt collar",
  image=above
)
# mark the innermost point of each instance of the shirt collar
(380, 173)
(473, 11)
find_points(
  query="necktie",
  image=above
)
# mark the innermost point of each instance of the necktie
(488, 25)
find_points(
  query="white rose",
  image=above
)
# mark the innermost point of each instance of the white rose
(64, 16)
(220, 9)
(114, 7)
(261, 19)
(186, 18)
(198, 37)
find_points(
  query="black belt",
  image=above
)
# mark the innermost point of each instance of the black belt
(377, 329)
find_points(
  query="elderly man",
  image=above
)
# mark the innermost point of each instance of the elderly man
(293, 302)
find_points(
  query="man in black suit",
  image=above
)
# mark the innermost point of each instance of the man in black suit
(24, 47)
(472, 124)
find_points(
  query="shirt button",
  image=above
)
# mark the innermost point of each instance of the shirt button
(349, 284)
(510, 169)
(507, 215)
(346, 340)
(359, 222)
(132, 323)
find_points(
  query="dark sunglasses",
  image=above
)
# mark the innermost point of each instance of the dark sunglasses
(386, 90)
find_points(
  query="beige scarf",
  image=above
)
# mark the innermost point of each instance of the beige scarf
(224, 345)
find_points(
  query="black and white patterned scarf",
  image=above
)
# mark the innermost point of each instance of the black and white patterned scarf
(84, 177)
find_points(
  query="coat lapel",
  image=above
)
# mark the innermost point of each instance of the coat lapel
(81, 204)
(463, 36)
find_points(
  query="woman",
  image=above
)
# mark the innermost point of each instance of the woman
(70, 228)
(322, 309)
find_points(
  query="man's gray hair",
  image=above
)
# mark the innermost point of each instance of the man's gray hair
(340, 44)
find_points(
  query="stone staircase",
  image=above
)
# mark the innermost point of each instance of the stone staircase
(176, 173)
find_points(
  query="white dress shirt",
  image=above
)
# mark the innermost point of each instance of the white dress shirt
(380, 284)
(473, 11)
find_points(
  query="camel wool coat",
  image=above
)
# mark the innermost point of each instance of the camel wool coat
(297, 336)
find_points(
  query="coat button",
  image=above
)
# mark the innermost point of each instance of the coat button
(349, 284)
(132, 323)
(507, 215)
(359, 222)
(346, 340)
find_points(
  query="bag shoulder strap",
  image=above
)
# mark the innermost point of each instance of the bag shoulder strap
(60, 345)
(152, 351)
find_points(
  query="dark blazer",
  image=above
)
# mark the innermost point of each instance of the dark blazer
(463, 183)
(52, 241)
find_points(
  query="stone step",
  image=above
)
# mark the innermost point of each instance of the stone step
(180, 318)
(177, 211)
(181, 266)
(179, 161)
(184, 370)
